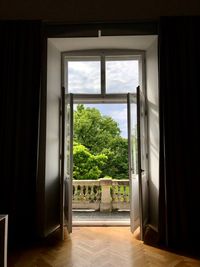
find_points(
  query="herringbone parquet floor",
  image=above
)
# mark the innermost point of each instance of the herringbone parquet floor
(98, 247)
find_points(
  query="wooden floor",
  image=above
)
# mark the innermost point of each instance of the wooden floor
(98, 247)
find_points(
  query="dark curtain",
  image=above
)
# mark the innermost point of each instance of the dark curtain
(179, 73)
(20, 61)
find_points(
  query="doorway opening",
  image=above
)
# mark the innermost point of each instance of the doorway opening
(101, 191)
(53, 189)
(106, 77)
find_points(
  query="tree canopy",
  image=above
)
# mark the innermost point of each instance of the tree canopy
(117, 163)
(86, 165)
(99, 150)
(94, 130)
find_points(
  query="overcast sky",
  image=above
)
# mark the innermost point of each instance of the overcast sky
(84, 76)
(121, 77)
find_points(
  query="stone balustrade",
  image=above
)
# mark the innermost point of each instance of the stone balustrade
(105, 194)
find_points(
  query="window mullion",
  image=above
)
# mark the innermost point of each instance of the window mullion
(103, 75)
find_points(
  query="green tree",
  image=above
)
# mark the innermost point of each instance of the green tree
(94, 130)
(100, 136)
(86, 165)
(117, 154)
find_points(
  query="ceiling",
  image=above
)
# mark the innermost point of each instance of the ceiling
(103, 42)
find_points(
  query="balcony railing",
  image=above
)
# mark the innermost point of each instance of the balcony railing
(105, 194)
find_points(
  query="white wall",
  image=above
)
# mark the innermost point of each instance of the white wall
(52, 156)
(52, 198)
(153, 129)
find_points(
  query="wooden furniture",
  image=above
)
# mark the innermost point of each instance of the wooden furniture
(3, 239)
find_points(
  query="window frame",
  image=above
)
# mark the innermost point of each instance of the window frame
(103, 96)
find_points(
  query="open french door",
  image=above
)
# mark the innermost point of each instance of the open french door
(142, 159)
(66, 162)
(137, 162)
(133, 163)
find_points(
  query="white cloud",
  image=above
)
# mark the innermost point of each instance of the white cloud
(121, 76)
(84, 77)
(119, 115)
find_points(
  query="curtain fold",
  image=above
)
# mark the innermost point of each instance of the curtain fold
(20, 67)
(179, 73)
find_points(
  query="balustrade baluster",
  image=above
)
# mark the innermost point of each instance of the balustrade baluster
(96, 193)
(99, 193)
(81, 192)
(128, 194)
(92, 195)
(118, 193)
(76, 197)
(124, 193)
(115, 193)
(121, 193)
(86, 193)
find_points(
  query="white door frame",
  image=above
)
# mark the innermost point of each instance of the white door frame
(103, 97)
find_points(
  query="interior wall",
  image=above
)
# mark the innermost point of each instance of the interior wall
(52, 180)
(153, 130)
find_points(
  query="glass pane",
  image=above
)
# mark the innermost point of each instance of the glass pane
(133, 137)
(121, 76)
(84, 77)
(67, 137)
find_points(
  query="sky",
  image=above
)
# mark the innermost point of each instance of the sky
(121, 77)
(84, 76)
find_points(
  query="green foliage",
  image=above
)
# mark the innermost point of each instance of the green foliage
(117, 164)
(99, 150)
(86, 165)
(94, 130)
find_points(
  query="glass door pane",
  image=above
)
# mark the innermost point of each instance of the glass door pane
(68, 160)
(142, 160)
(133, 163)
(122, 75)
(83, 76)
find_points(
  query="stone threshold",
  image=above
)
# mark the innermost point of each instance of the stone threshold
(101, 223)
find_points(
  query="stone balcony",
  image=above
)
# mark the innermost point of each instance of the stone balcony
(102, 195)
